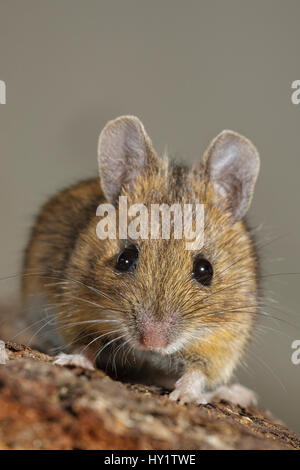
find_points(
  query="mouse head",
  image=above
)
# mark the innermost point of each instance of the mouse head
(163, 295)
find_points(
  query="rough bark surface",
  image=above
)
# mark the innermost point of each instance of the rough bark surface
(45, 406)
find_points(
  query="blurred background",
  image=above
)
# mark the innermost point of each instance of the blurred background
(188, 70)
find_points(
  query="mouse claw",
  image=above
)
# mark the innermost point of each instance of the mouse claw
(77, 360)
(3, 353)
(184, 398)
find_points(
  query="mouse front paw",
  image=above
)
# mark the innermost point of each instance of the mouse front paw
(190, 389)
(236, 394)
(77, 360)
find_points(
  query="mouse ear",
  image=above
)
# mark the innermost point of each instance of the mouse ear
(232, 163)
(124, 152)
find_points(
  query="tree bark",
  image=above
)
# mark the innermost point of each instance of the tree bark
(45, 406)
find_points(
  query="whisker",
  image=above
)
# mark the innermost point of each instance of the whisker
(95, 304)
(107, 344)
(101, 336)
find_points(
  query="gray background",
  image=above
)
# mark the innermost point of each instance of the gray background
(188, 69)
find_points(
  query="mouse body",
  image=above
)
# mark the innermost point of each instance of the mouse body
(146, 308)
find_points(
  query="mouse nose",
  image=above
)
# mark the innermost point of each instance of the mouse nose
(153, 333)
(153, 339)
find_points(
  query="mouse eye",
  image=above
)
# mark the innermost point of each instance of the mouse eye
(202, 271)
(127, 259)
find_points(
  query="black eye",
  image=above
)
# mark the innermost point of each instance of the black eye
(127, 259)
(202, 271)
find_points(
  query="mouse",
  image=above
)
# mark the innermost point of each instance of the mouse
(145, 308)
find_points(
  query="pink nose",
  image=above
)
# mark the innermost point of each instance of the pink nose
(153, 338)
(153, 333)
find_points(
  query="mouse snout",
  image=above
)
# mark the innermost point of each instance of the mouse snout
(153, 338)
(153, 333)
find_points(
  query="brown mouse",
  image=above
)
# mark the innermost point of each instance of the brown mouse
(141, 305)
